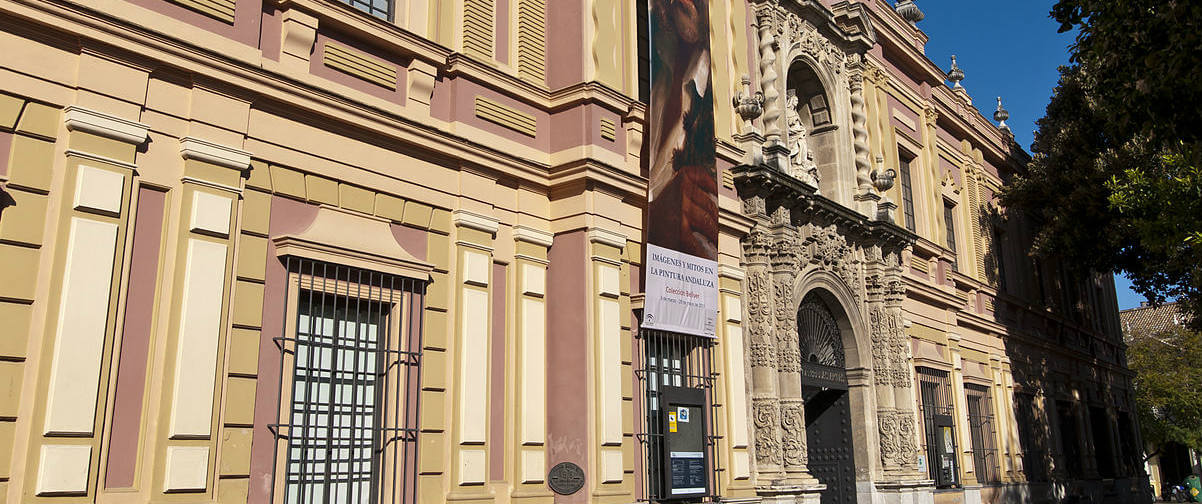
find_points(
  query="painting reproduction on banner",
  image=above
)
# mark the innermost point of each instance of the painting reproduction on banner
(681, 282)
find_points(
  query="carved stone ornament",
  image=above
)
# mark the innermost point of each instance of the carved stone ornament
(821, 342)
(898, 438)
(792, 423)
(767, 447)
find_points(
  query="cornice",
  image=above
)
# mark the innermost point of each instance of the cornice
(104, 125)
(779, 189)
(473, 220)
(530, 235)
(607, 237)
(214, 153)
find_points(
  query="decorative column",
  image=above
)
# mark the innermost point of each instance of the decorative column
(761, 328)
(788, 360)
(775, 152)
(892, 367)
(865, 197)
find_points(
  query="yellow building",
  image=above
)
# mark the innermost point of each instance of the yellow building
(393, 251)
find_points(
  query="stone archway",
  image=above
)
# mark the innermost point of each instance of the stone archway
(824, 389)
(804, 247)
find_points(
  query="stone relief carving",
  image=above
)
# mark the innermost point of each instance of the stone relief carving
(792, 423)
(767, 448)
(898, 438)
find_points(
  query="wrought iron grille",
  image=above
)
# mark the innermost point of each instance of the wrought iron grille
(981, 430)
(935, 390)
(677, 360)
(350, 360)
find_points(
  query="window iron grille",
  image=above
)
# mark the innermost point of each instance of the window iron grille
(350, 360)
(982, 431)
(938, 426)
(675, 360)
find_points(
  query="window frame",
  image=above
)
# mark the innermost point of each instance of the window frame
(949, 226)
(906, 187)
(941, 405)
(982, 432)
(394, 426)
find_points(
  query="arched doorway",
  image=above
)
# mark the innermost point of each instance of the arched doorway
(827, 403)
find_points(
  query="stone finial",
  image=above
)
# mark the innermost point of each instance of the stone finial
(748, 105)
(1000, 115)
(955, 75)
(909, 11)
(882, 179)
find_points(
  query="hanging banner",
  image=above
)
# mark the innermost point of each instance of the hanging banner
(681, 280)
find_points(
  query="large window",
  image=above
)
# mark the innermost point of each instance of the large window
(349, 374)
(907, 189)
(671, 362)
(981, 430)
(938, 426)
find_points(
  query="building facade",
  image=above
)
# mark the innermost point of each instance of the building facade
(261, 251)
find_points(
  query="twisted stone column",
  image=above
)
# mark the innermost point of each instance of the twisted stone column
(768, 75)
(859, 125)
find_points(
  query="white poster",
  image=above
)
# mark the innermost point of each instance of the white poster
(681, 293)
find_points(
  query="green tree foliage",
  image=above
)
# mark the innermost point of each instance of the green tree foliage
(1167, 384)
(1114, 183)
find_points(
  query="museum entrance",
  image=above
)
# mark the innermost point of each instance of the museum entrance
(827, 405)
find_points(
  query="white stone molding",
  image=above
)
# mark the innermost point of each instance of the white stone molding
(473, 220)
(607, 237)
(105, 125)
(531, 235)
(733, 272)
(209, 152)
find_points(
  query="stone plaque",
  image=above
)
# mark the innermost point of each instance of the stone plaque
(565, 478)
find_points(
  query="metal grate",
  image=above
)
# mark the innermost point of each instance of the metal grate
(981, 430)
(678, 360)
(350, 378)
(935, 388)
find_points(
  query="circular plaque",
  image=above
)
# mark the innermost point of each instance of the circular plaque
(565, 478)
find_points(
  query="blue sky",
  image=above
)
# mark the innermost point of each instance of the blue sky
(1007, 49)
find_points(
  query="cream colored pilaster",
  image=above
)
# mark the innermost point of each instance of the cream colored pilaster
(1014, 447)
(1002, 417)
(963, 434)
(731, 354)
(929, 178)
(92, 227)
(474, 246)
(210, 193)
(531, 363)
(606, 268)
